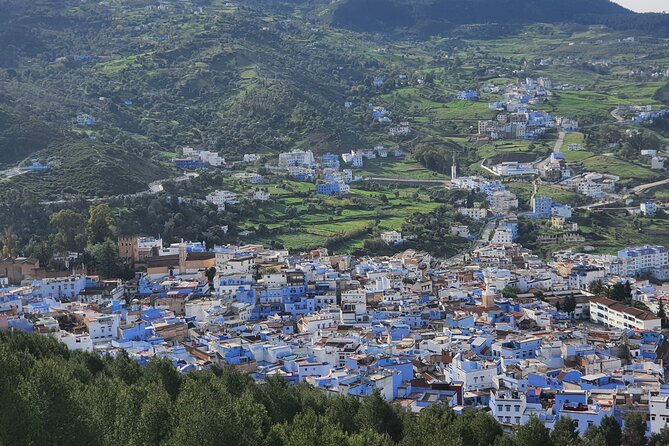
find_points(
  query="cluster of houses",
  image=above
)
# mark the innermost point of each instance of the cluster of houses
(502, 332)
(198, 159)
(515, 119)
(642, 114)
(555, 169)
(499, 199)
(657, 159)
(592, 185)
(379, 114)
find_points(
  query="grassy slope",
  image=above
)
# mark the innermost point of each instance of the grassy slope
(87, 168)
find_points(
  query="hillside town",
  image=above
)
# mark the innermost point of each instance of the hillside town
(499, 330)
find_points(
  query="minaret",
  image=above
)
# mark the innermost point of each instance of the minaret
(488, 300)
(182, 257)
(454, 169)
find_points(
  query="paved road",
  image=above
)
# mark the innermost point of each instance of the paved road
(645, 187)
(488, 169)
(154, 188)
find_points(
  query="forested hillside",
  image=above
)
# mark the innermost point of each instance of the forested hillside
(156, 79)
(381, 14)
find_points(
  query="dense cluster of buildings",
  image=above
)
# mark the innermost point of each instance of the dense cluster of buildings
(504, 332)
(514, 117)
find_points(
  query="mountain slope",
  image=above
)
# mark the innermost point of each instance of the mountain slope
(386, 15)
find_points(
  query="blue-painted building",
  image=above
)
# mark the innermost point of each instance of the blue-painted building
(330, 188)
(512, 226)
(187, 163)
(541, 207)
(331, 160)
(468, 95)
(36, 166)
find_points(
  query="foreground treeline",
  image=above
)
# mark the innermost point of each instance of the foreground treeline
(50, 396)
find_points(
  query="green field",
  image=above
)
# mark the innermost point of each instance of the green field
(524, 193)
(628, 172)
(299, 219)
(609, 232)
(407, 168)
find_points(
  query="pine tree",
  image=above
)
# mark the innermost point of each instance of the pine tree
(634, 433)
(611, 430)
(534, 433)
(565, 432)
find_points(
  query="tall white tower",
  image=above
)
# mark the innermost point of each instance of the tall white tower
(454, 169)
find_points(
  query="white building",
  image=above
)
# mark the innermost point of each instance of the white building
(502, 237)
(261, 195)
(472, 371)
(222, 197)
(81, 341)
(315, 322)
(513, 168)
(509, 406)
(657, 163)
(297, 158)
(618, 315)
(102, 327)
(643, 259)
(211, 158)
(391, 237)
(251, 158)
(659, 412)
(353, 306)
(474, 213)
(460, 231)
(503, 201)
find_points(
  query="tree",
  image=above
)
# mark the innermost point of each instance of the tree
(565, 432)
(484, 428)
(660, 439)
(376, 414)
(70, 228)
(104, 257)
(597, 287)
(510, 292)
(627, 290)
(634, 433)
(210, 273)
(611, 430)
(10, 242)
(593, 436)
(100, 223)
(569, 304)
(534, 433)
(618, 292)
